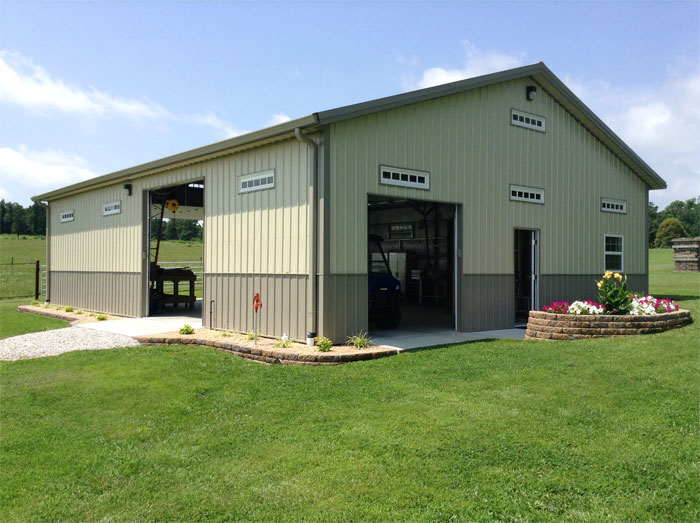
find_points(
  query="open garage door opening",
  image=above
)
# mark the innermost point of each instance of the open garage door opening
(411, 266)
(175, 221)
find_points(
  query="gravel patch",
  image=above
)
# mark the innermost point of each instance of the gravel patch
(53, 342)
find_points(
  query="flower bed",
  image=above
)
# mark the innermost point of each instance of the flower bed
(619, 313)
(551, 326)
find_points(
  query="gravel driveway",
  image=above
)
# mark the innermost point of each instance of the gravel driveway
(53, 342)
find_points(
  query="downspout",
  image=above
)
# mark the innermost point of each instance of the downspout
(48, 249)
(312, 288)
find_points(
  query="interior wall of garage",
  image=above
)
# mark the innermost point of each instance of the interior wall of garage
(472, 152)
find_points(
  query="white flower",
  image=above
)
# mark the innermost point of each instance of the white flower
(580, 307)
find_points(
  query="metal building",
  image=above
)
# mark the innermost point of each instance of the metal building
(488, 197)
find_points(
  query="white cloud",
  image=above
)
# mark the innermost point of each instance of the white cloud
(278, 118)
(24, 172)
(661, 124)
(209, 119)
(476, 63)
(26, 84)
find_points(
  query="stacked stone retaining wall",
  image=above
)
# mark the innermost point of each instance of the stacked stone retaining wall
(549, 326)
(686, 254)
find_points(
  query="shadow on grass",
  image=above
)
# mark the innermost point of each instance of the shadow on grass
(456, 343)
(679, 297)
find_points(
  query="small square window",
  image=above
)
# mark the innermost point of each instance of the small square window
(421, 179)
(395, 176)
(412, 178)
(386, 175)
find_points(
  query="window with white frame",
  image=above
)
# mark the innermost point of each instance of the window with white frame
(256, 181)
(404, 177)
(614, 253)
(611, 205)
(527, 120)
(67, 216)
(520, 193)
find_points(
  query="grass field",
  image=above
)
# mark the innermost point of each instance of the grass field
(505, 430)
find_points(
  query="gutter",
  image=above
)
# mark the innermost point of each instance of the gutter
(312, 286)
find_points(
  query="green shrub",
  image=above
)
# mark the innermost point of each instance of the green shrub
(324, 344)
(69, 309)
(35, 302)
(101, 317)
(669, 229)
(250, 335)
(360, 340)
(224, 333)
(283, 342)
(78, 311)
(186, 329)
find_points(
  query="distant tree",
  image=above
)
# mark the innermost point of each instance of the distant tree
(169, 230)
(19, 221)
(36, 219)
(654, 221)
(188, 230)
(669, 229)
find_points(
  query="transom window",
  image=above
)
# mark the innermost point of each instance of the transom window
(256, 181)
(614, 253)
(610, 205)
(521, 193)
(67, 216)
(530, 121)
(404, 177)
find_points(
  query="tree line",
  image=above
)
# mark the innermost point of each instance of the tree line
(184, 230)
(15, 219)
(678, 220)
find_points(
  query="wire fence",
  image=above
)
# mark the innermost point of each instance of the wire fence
(19, 280)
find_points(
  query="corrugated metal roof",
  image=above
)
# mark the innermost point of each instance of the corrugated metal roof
(538, 72)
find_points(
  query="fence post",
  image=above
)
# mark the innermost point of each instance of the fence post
(37, 281)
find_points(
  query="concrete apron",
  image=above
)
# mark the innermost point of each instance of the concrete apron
(144, 326)
(404, 340)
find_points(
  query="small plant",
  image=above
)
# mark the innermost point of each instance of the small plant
(250, 335)
(69, 309)
(360, 340)
(283, 342)
(35, 302)
(324, 344)
(224, 334)
(101, 317)
(78, 311)
(186, 329)
(614, 296)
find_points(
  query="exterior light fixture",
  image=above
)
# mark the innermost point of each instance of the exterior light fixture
(127, 187)
(530, 92)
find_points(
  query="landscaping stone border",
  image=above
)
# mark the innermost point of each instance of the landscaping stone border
(271, 355)
(549, 326)
(58, 313)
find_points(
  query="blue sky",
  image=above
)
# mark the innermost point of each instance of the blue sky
(88, 88)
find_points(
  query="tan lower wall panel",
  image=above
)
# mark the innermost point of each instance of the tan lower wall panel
(109, 292)
(487, 302)
(343, 308)
(283, 297)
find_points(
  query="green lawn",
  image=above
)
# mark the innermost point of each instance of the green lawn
(509, 430)
(13, 323)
